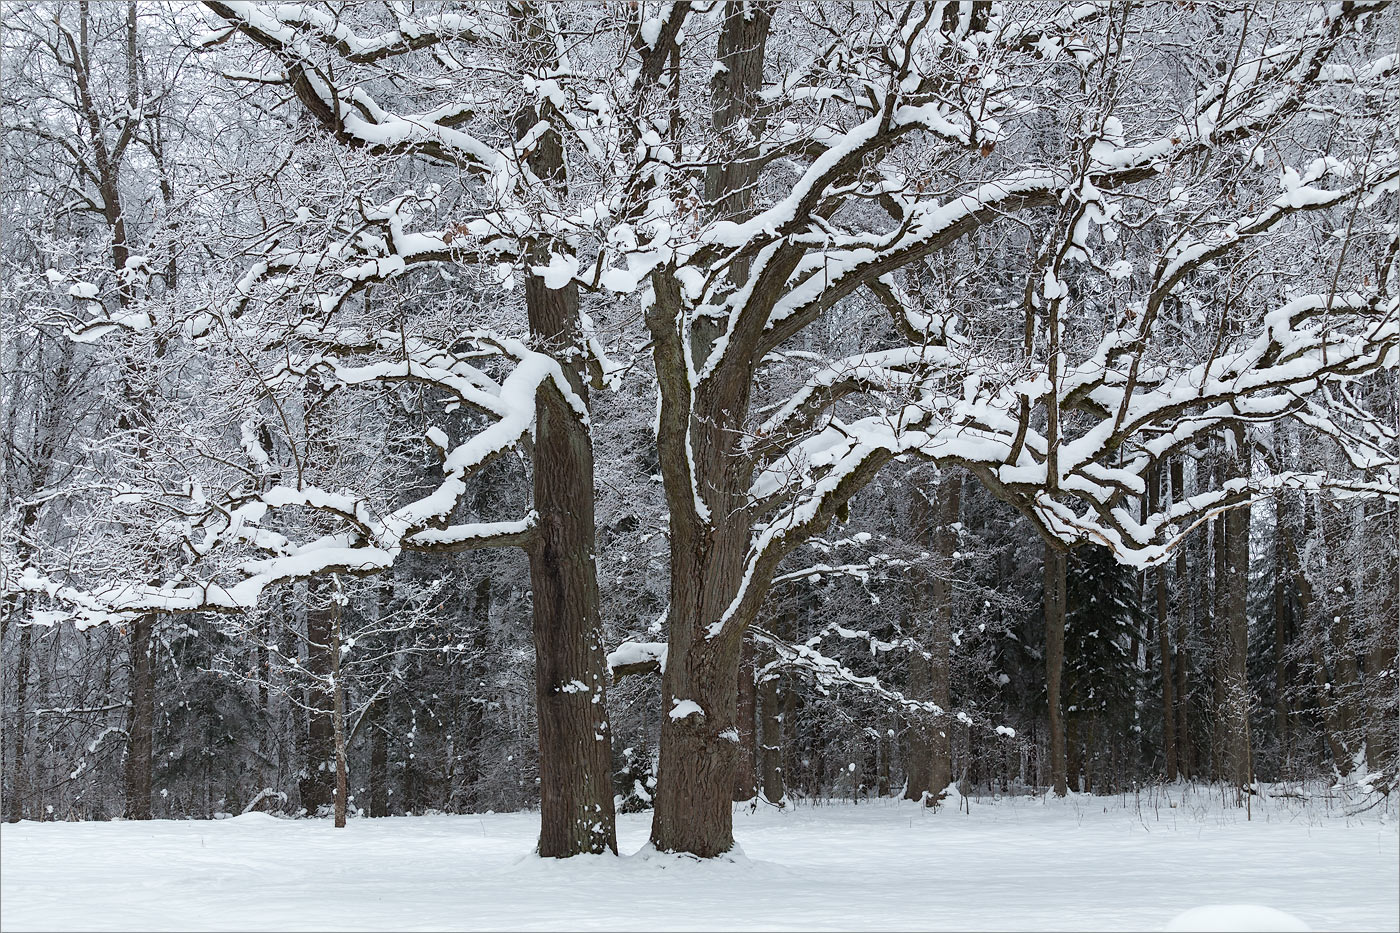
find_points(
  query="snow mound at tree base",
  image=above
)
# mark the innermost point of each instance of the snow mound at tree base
(1236, 918)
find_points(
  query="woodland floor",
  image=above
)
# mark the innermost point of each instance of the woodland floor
(1018, 863)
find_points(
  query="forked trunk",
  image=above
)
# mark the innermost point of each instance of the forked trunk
(699, 751)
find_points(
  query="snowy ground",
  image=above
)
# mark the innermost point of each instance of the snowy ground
(1012, 863)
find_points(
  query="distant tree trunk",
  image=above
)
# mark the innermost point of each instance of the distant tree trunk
(1219, 653)
(1184, 603)
(342, 776)
(1341, 606)
(945, 541)
(918, 752)
(1164, 648)
(317, 783)
(1383, 653)
(745, 770)
(882, 785)
(1282, 581)
(19, 764)
(1074, 753)
(378, 769)
(772, 740)
(1236, 584)
(140, 720)
(928, 756)
(472, 714)
(1334, 728)
(1055, 561)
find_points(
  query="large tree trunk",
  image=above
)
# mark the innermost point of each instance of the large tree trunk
(1055, 561)
(745, 772)
(140, 720)
(698, 446)
(576, 799)
(699, 749)
(575, 741)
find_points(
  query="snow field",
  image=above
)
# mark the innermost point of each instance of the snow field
(1013, 863)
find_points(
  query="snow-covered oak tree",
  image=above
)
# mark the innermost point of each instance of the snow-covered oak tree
(534, 395)
(926, 113)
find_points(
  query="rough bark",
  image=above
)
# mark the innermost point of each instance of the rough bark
(698, 756)
(575, 744)
(576, 800)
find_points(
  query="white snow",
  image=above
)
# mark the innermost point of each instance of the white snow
(1014, 863)
(1235, 918)
(683, 708)
(638, 652)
